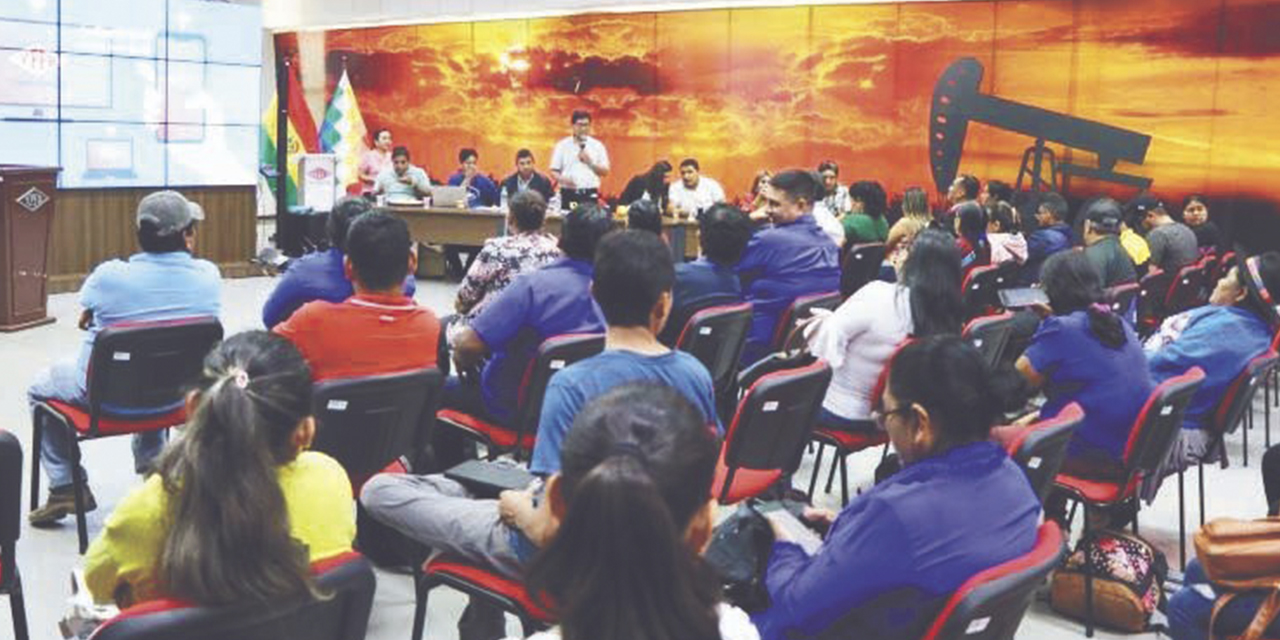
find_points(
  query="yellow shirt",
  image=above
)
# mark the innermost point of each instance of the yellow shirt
(317, 493)
(1135, 245)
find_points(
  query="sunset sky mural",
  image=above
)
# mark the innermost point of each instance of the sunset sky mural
(743, 89)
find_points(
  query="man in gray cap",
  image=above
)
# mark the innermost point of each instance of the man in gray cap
(1173, 244)
(1102, 243)
(163, 282)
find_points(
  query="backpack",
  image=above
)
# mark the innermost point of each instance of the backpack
(1127, 577)
(1240, 556)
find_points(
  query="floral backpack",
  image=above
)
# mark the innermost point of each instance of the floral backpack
(1127, 577)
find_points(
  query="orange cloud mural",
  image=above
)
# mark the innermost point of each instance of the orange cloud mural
(743, 89)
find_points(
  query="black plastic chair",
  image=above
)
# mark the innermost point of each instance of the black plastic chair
(799, 310)
(861, 265)
(10, 528)
(479, 583)
(715, 336)
(1041, 447)
(990, 335)
(139, 374)
(1187, 289)
(680, 317)
(1121, 299)
(348, 581)
(981, 288)
(1152, 291)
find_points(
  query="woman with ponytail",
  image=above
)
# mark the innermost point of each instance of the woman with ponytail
(632, 511)
(1084, 353)
(238, 508)
(959, 506)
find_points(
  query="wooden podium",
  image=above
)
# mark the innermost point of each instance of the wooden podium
(26, 223)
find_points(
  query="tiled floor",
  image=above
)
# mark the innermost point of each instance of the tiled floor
(47, 556)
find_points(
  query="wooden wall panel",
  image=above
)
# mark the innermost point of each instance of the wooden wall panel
(94, 225)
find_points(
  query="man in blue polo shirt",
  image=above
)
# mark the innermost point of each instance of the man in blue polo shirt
(163, 282)
(723, 233)
(789, 259)
(319, 275)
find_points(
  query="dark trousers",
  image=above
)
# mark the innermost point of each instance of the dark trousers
(1271, 478)
(453, 258)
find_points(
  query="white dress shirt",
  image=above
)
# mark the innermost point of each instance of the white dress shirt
(565, 160)
(699, 198)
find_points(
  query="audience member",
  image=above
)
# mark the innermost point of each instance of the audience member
(858, 339)
(964, 188)
(723, 233)
(238, 508)
(1004, 233)
(789, 259)
(1134, 244)
(375, 160)
(377, 330)
(835, 197)
(636, 471)
(958, 507)
(651, 185)
(1195, 214)
(1084, 353)
(503, 258)
(162, 282)
(320, 275)
(1052, 236)
(402, 180)
(865, 221)
(644, 215)
(1102, 220)
(1173, 245)
(694, 193)
(526, 178)
(578, 162)
(995, 191)
(916, 217)
(971, 235)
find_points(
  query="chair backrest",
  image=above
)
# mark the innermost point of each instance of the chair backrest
(861, 265)
(10, 505)
(1121, 298)
(680, 317)
(775, 419)
(348, 580)
(1041, 447)
(554, 354)
(147, 367)
(715, 336)
(1159, 423)
(1224, 265)
(982, 285)
(799, 310)
(991, 604)
(1151, 295)
(1239, 396)
(990, 336)
(1186, 289)
(368, 422)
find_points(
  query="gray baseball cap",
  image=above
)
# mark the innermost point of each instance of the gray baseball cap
(169, 211)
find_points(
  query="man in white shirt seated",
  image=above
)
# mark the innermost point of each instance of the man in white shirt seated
(695, 192)
(402, 181)
(578, 162)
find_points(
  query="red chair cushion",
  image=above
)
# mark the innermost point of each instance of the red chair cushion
(747, 483)
(78, 418)
(1098, 491)
(487, 581)
(850, 441)
(357, 482)
(499, 436)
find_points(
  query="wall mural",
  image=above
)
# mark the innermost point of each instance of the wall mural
(1104, 95)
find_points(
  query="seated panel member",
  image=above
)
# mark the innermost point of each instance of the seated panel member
(320, 275)
(377, 330)
(723, 233)
(651, 185)
(403, 181)
(694, 193)
(481, 192)
(526, 178)
(791, 258)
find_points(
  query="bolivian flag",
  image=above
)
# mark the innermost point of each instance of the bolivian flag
(302, 136)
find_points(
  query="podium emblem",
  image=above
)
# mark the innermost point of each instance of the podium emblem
(33, 199)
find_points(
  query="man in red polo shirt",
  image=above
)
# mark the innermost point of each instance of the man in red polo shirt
(378, 330)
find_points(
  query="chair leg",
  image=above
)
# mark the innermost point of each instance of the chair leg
(1266, 421)
(817, 465)
(1137, 507)
(18, 610)
(420, 591)
(835, 461)
(844, 481)
(37, 435)
(1182, 522)
(77, 488)
(528, 626)
(1088, 583)
(1200, 467)
(1248, 420)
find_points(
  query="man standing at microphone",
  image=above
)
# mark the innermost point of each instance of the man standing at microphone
(578, 162)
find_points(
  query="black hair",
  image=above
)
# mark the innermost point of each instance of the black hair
(379, 131)
(915, 202)
(653, 180)
(150, 240)
(229, 538)
(344, 211)
(799, 184)
(644, 216)
(636, 468)
(378, 245)
(970, 185)
(1000, 190)
(579, 114)
(690, 162)
(1002, 213)
(632, 270)
(973, 225)
(1055, 204)
(524, 153)
(582, 229)
(828, 165)
(951, 379)
(467, 152)
(872, 196)
(1074, 284)
(723, 233)
(1269, 271)
(400, 152)
(933, 278)
(529, 209)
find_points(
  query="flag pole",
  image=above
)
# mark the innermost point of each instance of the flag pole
(282, 146)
